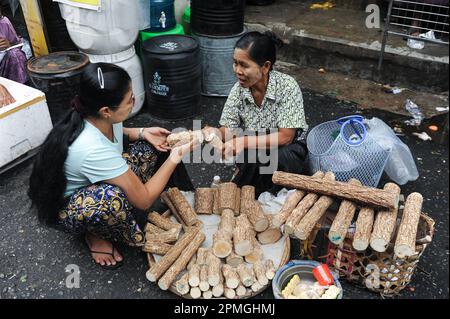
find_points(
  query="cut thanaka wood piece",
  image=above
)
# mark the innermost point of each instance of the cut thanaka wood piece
(169, 276)
(204, 201)
(215, 141)
(256, 286)
(270, 269)
(150, 228)
(361, 194)
(289, 205)
(385, 222)
(202, 255)
(237, 202)
(260, 273)
(207, 294)
(166, 199)
(343, 219)
(182, 285)
(405, 244)
(204, 285)
(216, 203)
(271, 235)
(160, 267)
(234, 260)
(256, 254)
(218, 290)
(227, 221)
(309, 221)
(364, 226)
(241, 291)
(194, 275)
(227, 196)
(195, 293)
(304, 206)
(245, 275)
(229, 293)
(214, 269)
(247, 195)
(167, 236)
(231, 277)
(162, 222)
(256, 216)
(243, 235)
(156, 248)
(182, 206)
(185, 137)
(222, 244)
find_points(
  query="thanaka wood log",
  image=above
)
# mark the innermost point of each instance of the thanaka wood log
(182, 285)
(234, 260)
(241, 291)
(245, 275)
(243, 235)
(204, 201)
(216, 194)
(194, 275)
(180, 264)
(202, 256)
(192, 262)
(364, 226)
(150, 228)
(309, 221)
(219, 288)
(229, 293)
(385, 223)
(237, 202)
(160, 267)
(207, 294)
(204, 285)
(185, 137)
(195, 293)
(247, 196)
(256, 254)
(231, 277)
(214, 269)
(304, 206)
(222, 243)
(166, 200)
(162, 222)
(405, 244)
(182, 206)
(361, 194)
(343, 220)
(167, 236)
(227, 221)
(227, 197)
(156, 248)
(271, 235)
(256, 216)
(260, 273)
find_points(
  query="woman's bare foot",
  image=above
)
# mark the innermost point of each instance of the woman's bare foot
(101, 251)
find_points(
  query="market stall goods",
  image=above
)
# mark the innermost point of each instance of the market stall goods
(304, 206)
(271, 235)
(243, 235)
(260, 273)
(182, 284)
(231, 277)
(157, 248)
(204, 201)
(364, 226)
(405, 244)
(360, 194)
(288, 206)
(307, 223)
(168, 236)
(256, 253)
(234, 259)
(227, 197)
(343, 219)
(245, 275)
(182, 206)
(256, 216)
(163, 222)
(385, 223)
(177, 139)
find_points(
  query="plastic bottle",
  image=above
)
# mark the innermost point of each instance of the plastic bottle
(216, 182)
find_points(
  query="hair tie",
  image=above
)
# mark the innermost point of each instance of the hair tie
(101, 79)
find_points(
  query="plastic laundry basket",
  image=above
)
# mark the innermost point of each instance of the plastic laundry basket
(346, 148)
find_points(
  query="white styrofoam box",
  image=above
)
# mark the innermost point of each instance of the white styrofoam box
(25, 124)
(129, 61)
(113, 29)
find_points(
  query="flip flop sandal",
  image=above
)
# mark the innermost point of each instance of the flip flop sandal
(110, 267)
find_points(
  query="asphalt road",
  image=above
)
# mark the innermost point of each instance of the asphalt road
(33, 257)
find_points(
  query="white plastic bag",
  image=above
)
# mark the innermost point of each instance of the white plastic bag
(400, 167)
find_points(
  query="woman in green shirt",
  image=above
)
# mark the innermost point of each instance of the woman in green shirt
(263, 114)
(82, 181)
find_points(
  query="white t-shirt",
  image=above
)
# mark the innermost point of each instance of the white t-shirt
(94, 158)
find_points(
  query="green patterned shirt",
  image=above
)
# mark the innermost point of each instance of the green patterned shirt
(282, 106)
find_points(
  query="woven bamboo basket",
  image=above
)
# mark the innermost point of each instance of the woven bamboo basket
(379, 272)
(284, 259)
